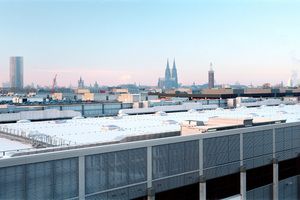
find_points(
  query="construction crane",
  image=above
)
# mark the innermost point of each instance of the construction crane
(53, 84)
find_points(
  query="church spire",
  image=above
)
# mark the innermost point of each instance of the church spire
(168, 72)
(174, 74)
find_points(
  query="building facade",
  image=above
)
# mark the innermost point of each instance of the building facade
(211, 78)
(260, 162)
(16, 72)
(170, 81)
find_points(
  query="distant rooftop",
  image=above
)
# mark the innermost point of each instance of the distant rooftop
(99, 130)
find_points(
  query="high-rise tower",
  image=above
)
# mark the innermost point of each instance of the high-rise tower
(174, 74)
(16, 72)
(168, 72)
(211, 78)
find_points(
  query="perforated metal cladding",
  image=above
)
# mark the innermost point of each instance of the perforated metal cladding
(175, 182)
(46, 180)
(257, 144)
(288, 188)
(265, 192)
(137, 191)
(222, 170)
(175, 158)
(121, 194)
(96, 173)
(287, 142)
(102, 196)
(65, 175)
(105, 171)
(221, 150)
(12, 182)
(258, 161)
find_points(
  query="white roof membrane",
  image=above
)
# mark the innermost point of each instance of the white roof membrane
(91, 129)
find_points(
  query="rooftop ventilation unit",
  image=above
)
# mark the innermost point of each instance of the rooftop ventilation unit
(110, 127)
(282, 112)
(253, 114)
(114, 117)
(23, 121)
(78, 117)
(169, 122)
(160, 113)
(58, 122)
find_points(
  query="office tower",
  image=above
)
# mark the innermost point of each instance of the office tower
(16, 72)
(290, 82)
(174, 74)
(211, 78)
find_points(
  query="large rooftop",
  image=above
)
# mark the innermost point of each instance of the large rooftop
(91, 130)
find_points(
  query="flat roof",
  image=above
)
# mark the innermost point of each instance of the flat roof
(6, 144)
(90, 130)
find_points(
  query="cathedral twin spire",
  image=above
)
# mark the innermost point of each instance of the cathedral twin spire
(170, 81)
(168, 74)
(168, 71)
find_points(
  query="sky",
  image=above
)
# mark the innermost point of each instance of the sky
(129, 41)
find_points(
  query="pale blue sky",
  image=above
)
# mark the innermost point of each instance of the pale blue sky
(116, 42)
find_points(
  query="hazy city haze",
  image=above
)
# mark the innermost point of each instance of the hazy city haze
(115, 42)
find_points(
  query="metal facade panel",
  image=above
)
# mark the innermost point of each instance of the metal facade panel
(12, 182)
(118, 169)
(222, 170)
(121, 194)
(256, 144)
(265, 192)
(96, 173)
(115, 169)
(209, 160)
(161, 185)
(160, 159)
(288, 188)
(102, 196)
(221, 150)
(46, 180)
(66, 178)
(137, 191)
(209, 146)
(175, 158)
(39, 180)
(137, 165)
(234, 142)
(234, 168)
(191, 178)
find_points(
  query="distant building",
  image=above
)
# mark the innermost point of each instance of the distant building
(6, 84)
(290, 83)
(80, 83)
(170, 81)
(211, 78)
(96, 86)
(16, 72)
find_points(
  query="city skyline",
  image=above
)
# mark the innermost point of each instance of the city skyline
(120, 42)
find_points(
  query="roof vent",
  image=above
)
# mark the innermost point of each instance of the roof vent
(169, 122)
(110, 127)
(160, 113)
